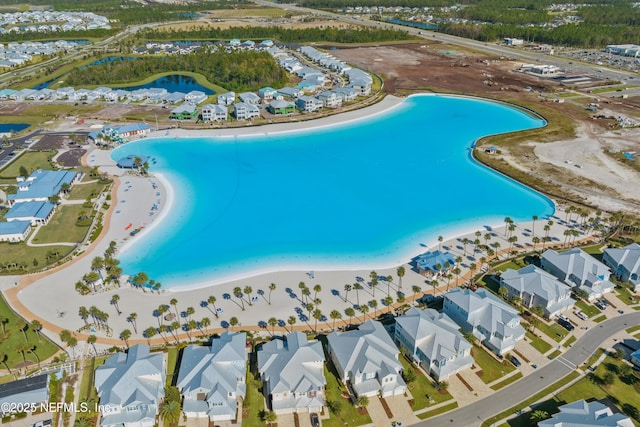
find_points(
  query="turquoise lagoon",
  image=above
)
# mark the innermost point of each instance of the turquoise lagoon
(366, 194)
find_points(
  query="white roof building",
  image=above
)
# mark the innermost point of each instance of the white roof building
(585, 414)
(625, 263)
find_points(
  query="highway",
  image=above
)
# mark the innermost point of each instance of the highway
(476, 413)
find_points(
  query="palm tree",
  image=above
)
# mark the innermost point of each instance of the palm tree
(416, 290)
(212, 301)
(534, 218)
(237, 292)
(350, 312)
(362, 401)
(357, 286)
(364, 309)
(335, 315)
(3, 321)
(92, 339)
(132, 319)
(97, 263)
(72, 343)
(374, 282)
(302, 287)
(233, 322)
(3, 359)
(292, 321)
(190, 312)
(465, 242)
(387, 301)
(539, 415)
(36, 326)
(434, 283)
(174, 303)
(248, 290)
(272, 322)
(535, 240)
(162, 309)
(272, 287)
(32, 349)
(22, 348)
(316, 289)
(440, 239)
(114, 301)
(125, 335)
(22, 327)
(507, 221)
(400, 272)
(457, 272)
(205, 323)
(191, 325)
(170, 412)
(389, 281)
(269, 417)
(512, 240)
(317, 315)
(347, 288)
(174, 327)
(374, 304)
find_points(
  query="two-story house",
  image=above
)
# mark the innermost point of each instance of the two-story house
(625, 263)
(214, 113)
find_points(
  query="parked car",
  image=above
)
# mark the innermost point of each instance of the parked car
(315, 421)
(581, 315)
(600, 305)
(566, 324)
(515, 361)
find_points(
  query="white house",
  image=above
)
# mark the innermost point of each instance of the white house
(214, 113)
(14, 231)
(433, 340)
(227, 98)
(245, 111)
(625, 263)
(292, 373)
(249, 98)
(34, 212)
(195, 97)
(586, 414)
(367, 359)
(329, 99)
(130, 387)
(308, 104)
(347, 93)
(577, 268)
(212, 379)
(41, 185)
(492, 321)
(536, 287)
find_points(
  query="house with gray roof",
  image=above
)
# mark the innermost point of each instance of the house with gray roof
(227, 98)
(347, 93)
(535, 287)
(212, 379)
(330, 99)
(367, 360)
(292, 373)
(435, 263)
(434, 342)
(625, 263)
(249, 98)
(308, 104)
(493, 322)
(577, 268)
(131, 386)
(290, 92)
(245, 111)
(23, 392)
(195, 97)
(586, 414)
(214, 113)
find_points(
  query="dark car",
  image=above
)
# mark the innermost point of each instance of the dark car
(566, 324)
(315, 421)
(515, 361)
(600, 305)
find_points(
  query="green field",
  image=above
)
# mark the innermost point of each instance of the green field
(633, 329)
(82, 191)
(552, 330)
(13, 338)
(492, 369)
(625, 295)
(538, 343)
(20, 254)
(62, 226)
(349, 414)
(31, 160)
(600, 318)
(570, 341)
(422, 389)
(587, 309)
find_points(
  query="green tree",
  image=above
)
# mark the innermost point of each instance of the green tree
(350, 312)
(92, 339)
(233, 322)
(170, 412)
(362, 401)
(400, 271)
(335, 315)
(347, 289)
(237, 292)
(269, 417)
(538, 415)
(272, 287)
(292, 321)
(212, 302)
(248, 290)
(125, 335)
(503, 292)
(273, 322)
(36, 327)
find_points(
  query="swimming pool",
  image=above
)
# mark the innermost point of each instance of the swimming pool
(365, 194)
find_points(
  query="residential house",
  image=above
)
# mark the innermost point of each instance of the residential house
(24, 393)
(130, 387)
(184, 112)
(281, 107)
(214, 113)
(535, 287)
(133, 129)
(308, 104)
(35, 212)
(625, 263)
(435, 263)
(195, 97)
(212, 379)
(290, 92)
(586, 414)
(292, 373)
(41, 185)
(227, 98)
(155, 95)
(14, 231)
(245, 111)
(267, 94)
(577, 268)
(347, 93)
(493, 322)
(173, 98)
(635, 358)
(434, 342)
(249, 98)
(367, 360)
(329, 99)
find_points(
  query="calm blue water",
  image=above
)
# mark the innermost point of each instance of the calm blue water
(107, 59)
(173, 83)
(13, 127)
(365, 194)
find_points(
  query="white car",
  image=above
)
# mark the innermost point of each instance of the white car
(581, 315)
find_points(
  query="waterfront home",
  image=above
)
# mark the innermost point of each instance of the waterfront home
(267, 94)
(196, 97)
(6, 94)
(227, 98)
(577, 268)
(493, 322)
(535, 287)
(212, 379)
(307, 86)
(102, 91)
(133, 129)
(173, 98)
(292, 374)
(586, 414)
(14, 231)
(435, 263)
(290, 92)
(138, 95)
(625, 263)
(281, 107)
(34, 212)
(433, 341)
(24, 394)
(249, 98)
(184, 112)
(41, 185)
(245, 111)
(347, 93)
(329, 99)
(156, 94)
(214, 113)
(367, 360)
(265, 44)
(308, 104)
(21, 95)
(130, 387)
(362, 87)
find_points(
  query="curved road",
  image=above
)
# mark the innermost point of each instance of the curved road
(476, 413)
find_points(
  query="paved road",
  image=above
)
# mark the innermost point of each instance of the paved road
(474, 414)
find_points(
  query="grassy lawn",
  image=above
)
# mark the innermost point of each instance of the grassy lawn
(555, 354)
(594, 250)
(491, 368)
(592, 359)
(62, 226)
(14, 337)
(349, 414)
(552, 330)
(511, 379)
(633, 329)
(31, 160)
(423, 387)
(625, 295)
(172, 359)
(253, 403)
(490, 282)
(82, 191)
(441, 410)
(587, 309)
(570, 341)
(600, 318)
(538, 343)
(21, 254)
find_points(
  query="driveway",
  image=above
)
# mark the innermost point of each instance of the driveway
(377, 413)
(286, 420)
(401, 410)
